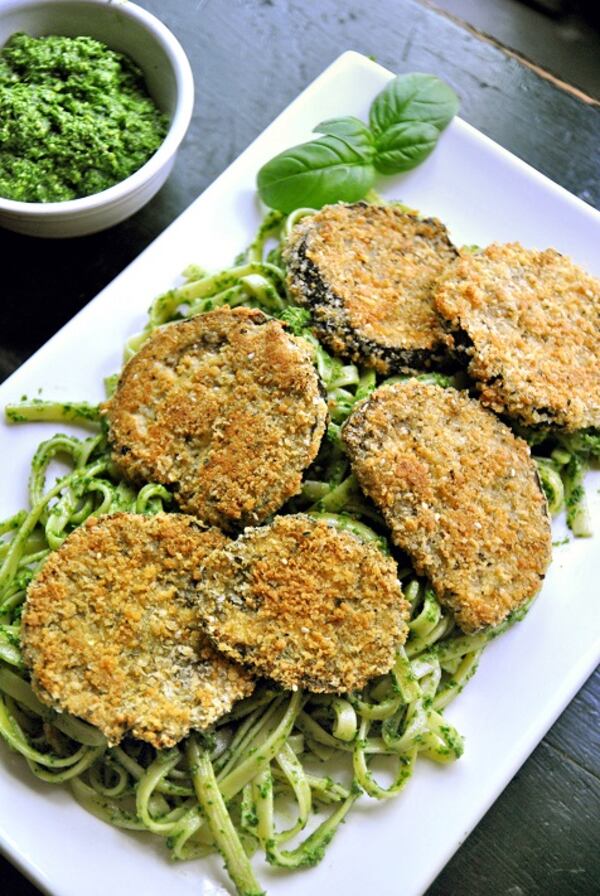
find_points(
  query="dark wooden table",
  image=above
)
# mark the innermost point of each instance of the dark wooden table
(250, 58)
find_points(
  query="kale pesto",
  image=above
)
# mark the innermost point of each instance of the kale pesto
(75, 118)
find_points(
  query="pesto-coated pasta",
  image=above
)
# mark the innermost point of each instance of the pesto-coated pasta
(220, 790)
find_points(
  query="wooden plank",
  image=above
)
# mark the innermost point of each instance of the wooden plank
(509, 51)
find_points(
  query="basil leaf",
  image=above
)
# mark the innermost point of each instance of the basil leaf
(403, 146)
(416, 98)
(330, 169)
(350, 129)
(406, 119)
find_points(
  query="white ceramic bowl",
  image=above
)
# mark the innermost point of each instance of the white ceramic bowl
(125, 27)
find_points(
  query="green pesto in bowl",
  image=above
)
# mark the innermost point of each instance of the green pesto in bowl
(75, 118)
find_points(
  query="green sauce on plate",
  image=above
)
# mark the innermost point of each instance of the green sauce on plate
(75, 118)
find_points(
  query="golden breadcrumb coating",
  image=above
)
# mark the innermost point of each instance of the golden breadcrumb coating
(225, 409)
(367, 273)
(306, 604)
(460, 494)
(111, 630)
(531, 323)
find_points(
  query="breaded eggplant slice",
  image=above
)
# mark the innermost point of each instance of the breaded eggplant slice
(367, 274)
(225, 409)
(305, 603)
(530, 324)
(460, 494)
(111, 630)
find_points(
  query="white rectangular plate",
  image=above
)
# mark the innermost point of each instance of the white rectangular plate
(526, 678)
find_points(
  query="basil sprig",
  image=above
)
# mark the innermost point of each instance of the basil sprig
(341, 165)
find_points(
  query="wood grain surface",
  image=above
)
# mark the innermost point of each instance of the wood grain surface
(250, 59)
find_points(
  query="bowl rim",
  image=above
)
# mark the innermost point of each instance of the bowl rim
(184, 81)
